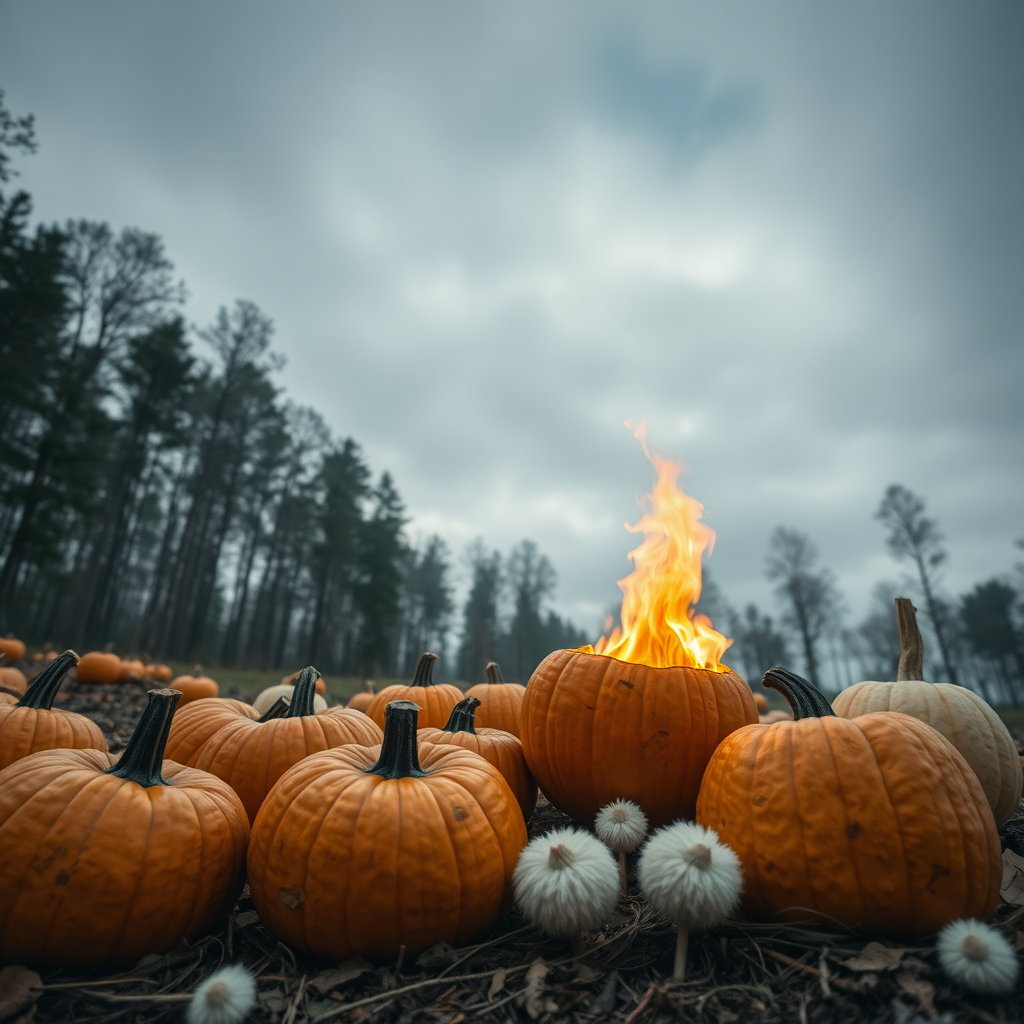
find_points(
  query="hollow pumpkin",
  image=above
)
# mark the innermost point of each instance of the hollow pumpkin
(362, 700)
(34, 724)
(876, 822)
(196, 686)
(496, 746)
(250, 756)
(195, 723)
(269, 697)
(597, 729)
(98, 667)
(501, 703)
(388, 846)
(963, 717)
(321, 686)
(435, 700)
(117, 858)
(13, 649)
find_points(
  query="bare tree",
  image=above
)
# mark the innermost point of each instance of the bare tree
(806, 588)
(912, 535)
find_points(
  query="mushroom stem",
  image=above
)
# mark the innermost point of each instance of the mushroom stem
(576, 941)
(911, 646)
(623, 880)
(682, 945)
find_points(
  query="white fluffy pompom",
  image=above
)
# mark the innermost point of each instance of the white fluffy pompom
(689, 876)
(978, 957)
(226, 997)
(621, 826)
(566, 882)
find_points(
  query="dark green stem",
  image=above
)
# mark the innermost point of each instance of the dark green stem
(302, 696)
(44, 687)
(399, 758)
(277, 710)
(911, 645)
(493, 672)
(804, 698)
(461, 718)
(424, 670)
(144, 756)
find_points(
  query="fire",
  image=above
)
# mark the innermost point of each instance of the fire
(658, 624)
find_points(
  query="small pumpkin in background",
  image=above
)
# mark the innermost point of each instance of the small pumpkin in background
(195, 723)
(321, 686)
(760, 702)
(876, 822)
(501, 703)
(12, 648)
(362, 700)
(98, 667)
(775, 715)
(131, 670)
(388, 846)
(435, 700)
(966, 720)
(33, 724)
(250, 756)
(196, 686)
(7, 698)
(159, 673)
(496, 746)
(12, 679)
(119, 858)
(45, 656)
(272, 694)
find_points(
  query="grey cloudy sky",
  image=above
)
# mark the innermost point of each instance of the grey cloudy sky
(788, 236)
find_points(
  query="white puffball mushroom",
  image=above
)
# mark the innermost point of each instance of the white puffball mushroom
(978, 957)
(566, 882)
(622, 827)
(691, 878)
(227, 996)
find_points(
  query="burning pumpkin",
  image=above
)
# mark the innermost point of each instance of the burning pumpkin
(435, 700)
(501, 703)
(958, 713)
(876, 822)
(638, 717)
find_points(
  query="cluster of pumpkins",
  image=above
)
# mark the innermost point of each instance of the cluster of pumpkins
(400, 825)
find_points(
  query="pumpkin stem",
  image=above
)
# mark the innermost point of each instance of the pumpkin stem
(461, 718)
(399, 758)
(911, 646)
(276, 710)
(44, 687)
(303, 694)
(424, 670)
(368, 686)
(493, 672)
(144, 756)
(197, 671)
(806, 700)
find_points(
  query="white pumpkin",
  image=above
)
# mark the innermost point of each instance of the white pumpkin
(266, 700)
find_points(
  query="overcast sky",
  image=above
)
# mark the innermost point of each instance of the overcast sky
(790, 237)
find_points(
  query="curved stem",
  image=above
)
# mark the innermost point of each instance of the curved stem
(493, 672)
(424, 670)
(44, 687)
(911, 646)
(276, 710)
(804, 698)
(302, 696)
(144, 756)
(399, 758)
(461, 718)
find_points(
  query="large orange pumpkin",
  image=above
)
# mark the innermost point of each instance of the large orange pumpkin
(98, 667)
(387, 847)
(195, 723)
(196, 686)
(34, 724)
(250, 756)
(435, 700)
(496, 746)
(596, 729)
(14, 649)
(116, 858)
(876, 822)
(501, 703)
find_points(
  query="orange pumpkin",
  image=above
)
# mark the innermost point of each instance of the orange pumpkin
(321, 686)
(501, 703)
(12, 679)
(250, 756)
(117, 858)
(435, 700)
(388, 847)
(361, 701)
(196, 686)
(131, 670)
(98, 667)
(195, 723)
(496, 746)
(761, 703)
(596, 729)
(34, 724)
(13, 649)
(876, 822)
(161, 673)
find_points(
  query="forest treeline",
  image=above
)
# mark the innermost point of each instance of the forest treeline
(159, 492)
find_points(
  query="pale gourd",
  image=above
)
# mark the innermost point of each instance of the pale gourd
(957, 713)
(266, 700)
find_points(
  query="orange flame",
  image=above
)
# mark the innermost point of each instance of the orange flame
(658, 624)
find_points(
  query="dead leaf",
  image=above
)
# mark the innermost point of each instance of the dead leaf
(439, 955)
(923, 991)
(246, 918)
(338, 976)
(876, 957)
(586, 975)
(1012, 888)
(533, 994)
(497, 983)
(19, 989)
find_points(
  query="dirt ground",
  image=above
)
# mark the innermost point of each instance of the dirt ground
(740, 972)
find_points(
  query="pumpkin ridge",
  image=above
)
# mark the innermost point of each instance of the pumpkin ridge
(141, 878)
